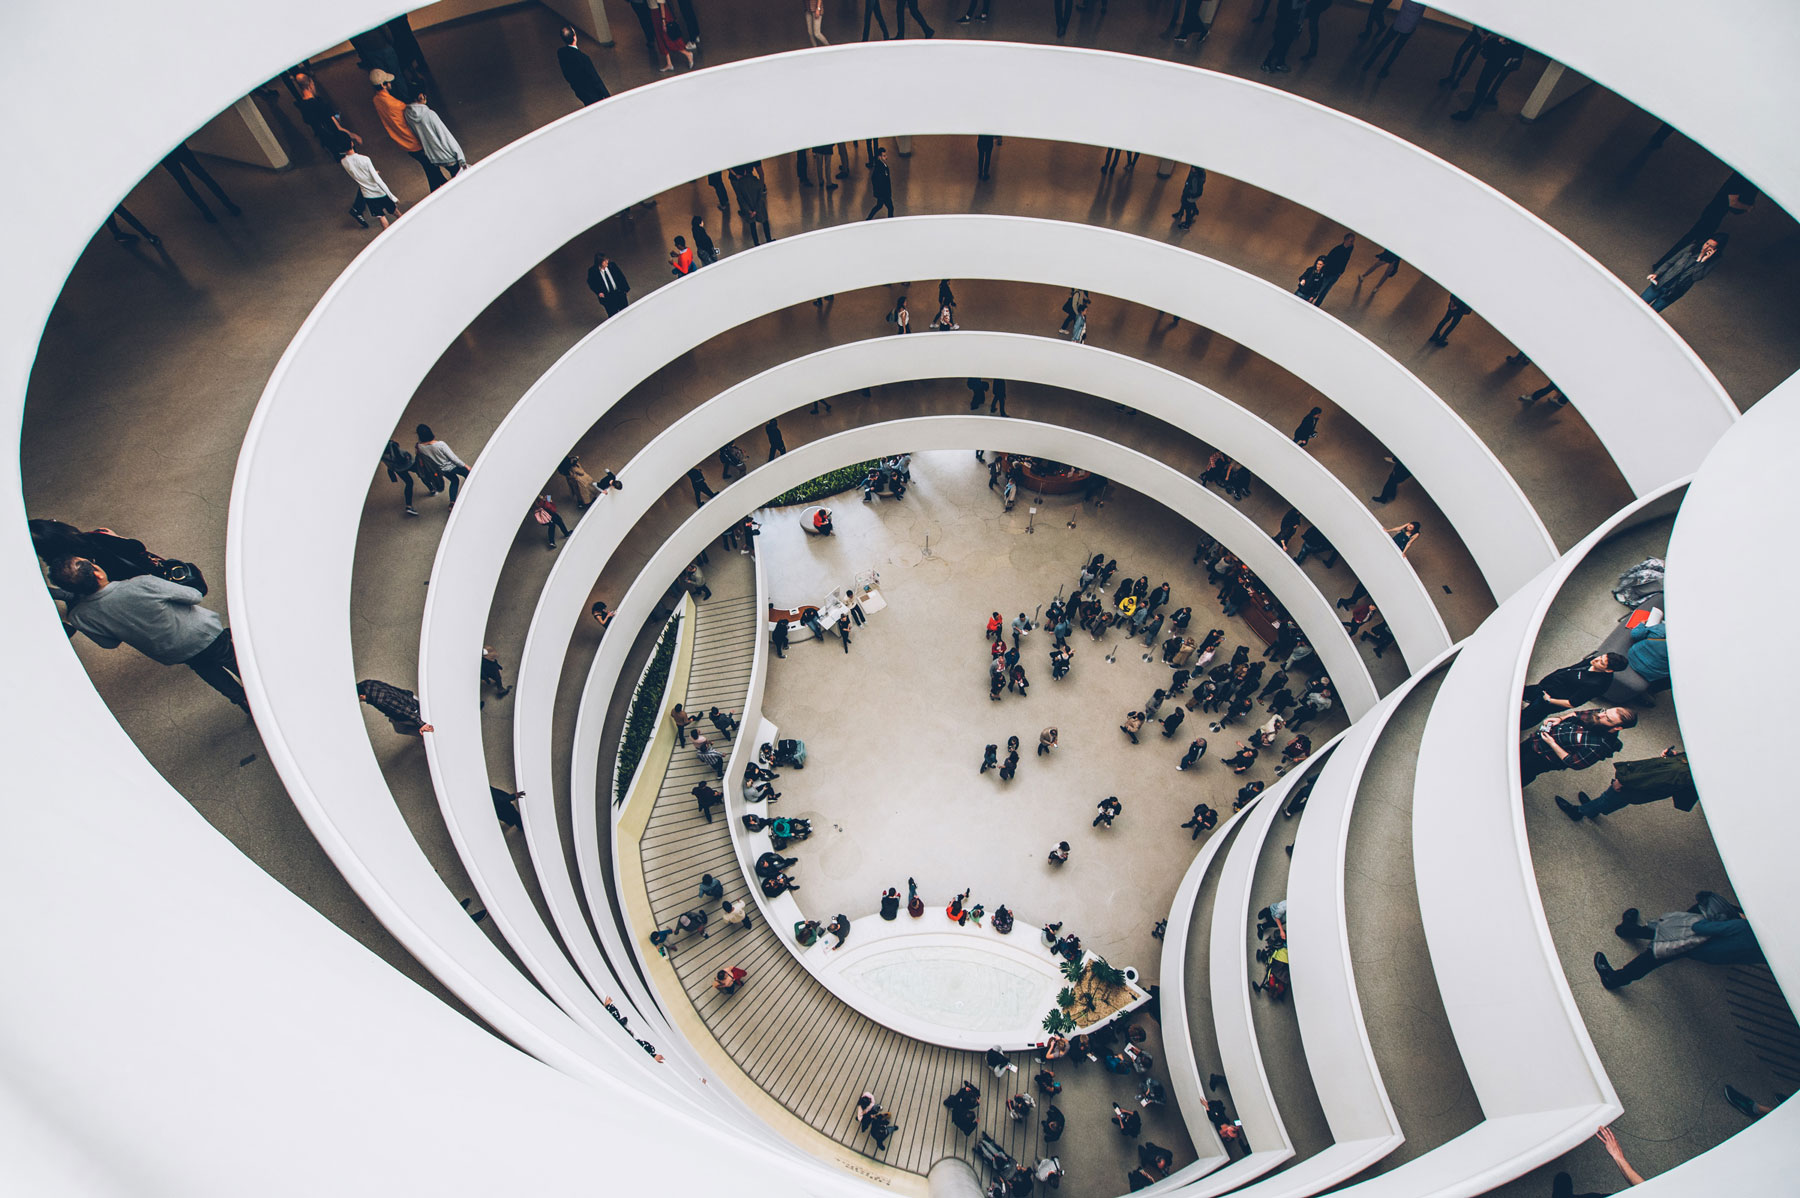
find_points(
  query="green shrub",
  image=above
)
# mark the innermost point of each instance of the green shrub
(646, 702)
(826, 485)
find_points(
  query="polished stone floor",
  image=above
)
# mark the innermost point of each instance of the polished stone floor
(159, 357)
(895, 727)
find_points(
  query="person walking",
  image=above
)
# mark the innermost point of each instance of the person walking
(702, 491)
(390, 110)
(1308, 428)
(670, 38)
(578, 69)
(1336, 260)
(843, 630)
(606, 279)
(777, 445)
(1675, 274)
(1107, 809)
(441, 148)
(814, 12)
(1192, 188)
(1453, 314)
(544, 512)
(1387, 258)
(1314, 10)
(1466, 53)
(1396, 476)
(163, 620)
(901, 8)
(430, 449)
(1191, 23)
(398, 704)
(402, 468)
(373, 193)
(1638, 782)
(872, 10)
(881, 180)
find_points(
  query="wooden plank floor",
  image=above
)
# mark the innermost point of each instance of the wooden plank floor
(808, 1050)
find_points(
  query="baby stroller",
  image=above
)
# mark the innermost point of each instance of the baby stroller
(785, 753)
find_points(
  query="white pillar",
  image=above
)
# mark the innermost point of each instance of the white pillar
(241, 134)
(1555, 85)
(588, 16)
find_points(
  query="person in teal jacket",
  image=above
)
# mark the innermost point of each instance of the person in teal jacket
(1649, 654)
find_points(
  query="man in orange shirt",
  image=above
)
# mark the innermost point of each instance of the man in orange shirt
(391, 111)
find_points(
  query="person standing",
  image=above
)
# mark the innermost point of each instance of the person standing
(373, 193)
(1191, 190)
(578, 69)
(984, 155)
(1672, 277)
(1466, 54)
(1308, 428)
(429, 448)
(704, 248)
(441, 148)
(1336, 260)
(843, 630)
(163, 620)
(1314, 10)
(1574, 741)
(1406, 23)
(180, 162)
(398, 704)
(997, 406)
(1287, 28)
(1453, 314)
(777, 445)
(1046, 741)
(753, 193)
(1500, 58)
(814, 11)
(609, 285)
(881, 181)
(1065, 11)
(390, 110)
(1192, 24)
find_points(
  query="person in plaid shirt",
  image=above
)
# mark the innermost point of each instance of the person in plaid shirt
(1574, 741)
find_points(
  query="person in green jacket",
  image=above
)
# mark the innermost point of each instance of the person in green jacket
(1650, 781)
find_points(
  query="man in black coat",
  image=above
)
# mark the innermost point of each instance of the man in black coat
(881, 180)
(579, 70)
(608, 282)
(1337, 260)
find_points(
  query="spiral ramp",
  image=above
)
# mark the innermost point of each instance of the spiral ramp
(179, 1021)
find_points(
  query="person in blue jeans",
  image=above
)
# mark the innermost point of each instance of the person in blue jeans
(1671, 278)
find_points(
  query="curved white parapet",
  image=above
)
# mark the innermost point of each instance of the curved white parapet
(1228, 977)
(1746, 124)
(1339, 1057)
(586, 553)
(1717, 564)
(472, 556)
(1523, 1043)
(1186, 1070)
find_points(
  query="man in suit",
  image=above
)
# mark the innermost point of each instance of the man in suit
(881, 180)
(608, 282)
(579, 70)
